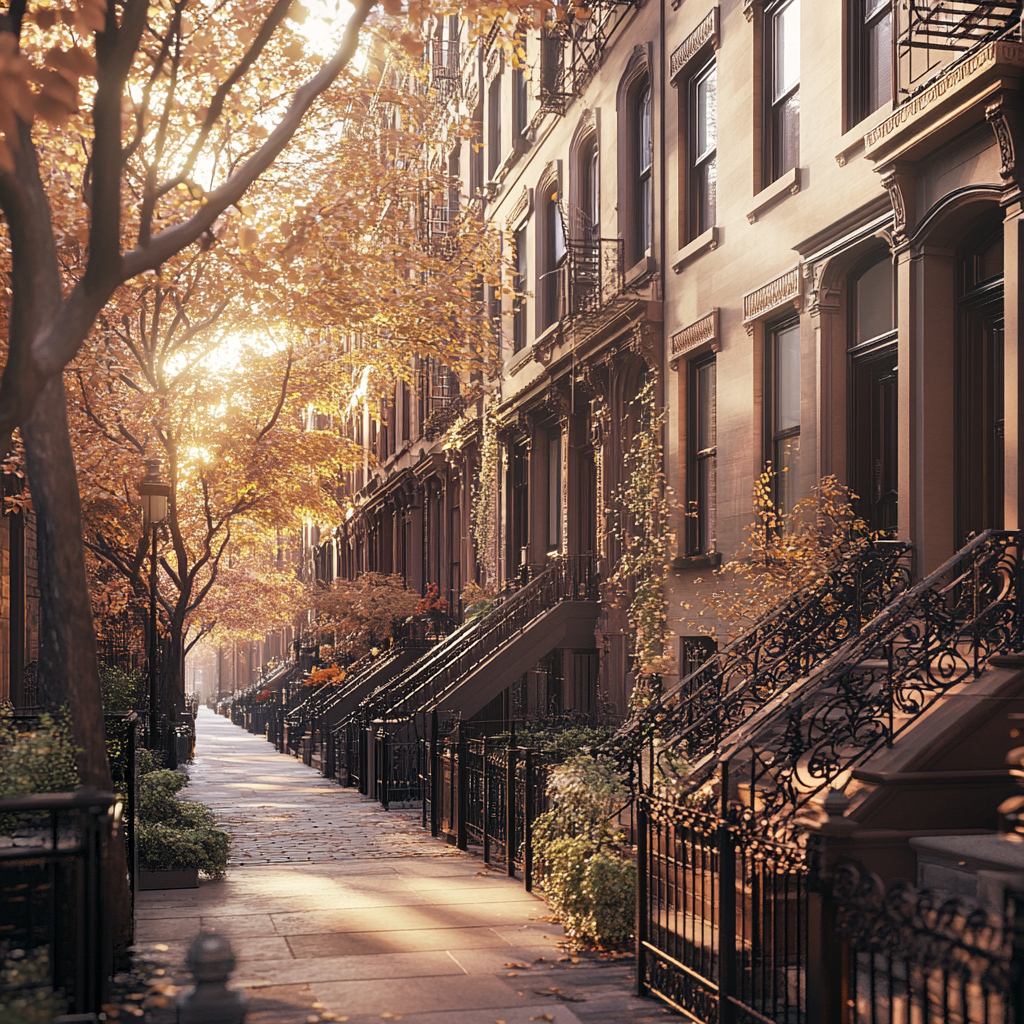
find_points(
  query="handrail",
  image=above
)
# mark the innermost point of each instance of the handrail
(936, 635)
(569, 577)
(57, 801)
(705, 706)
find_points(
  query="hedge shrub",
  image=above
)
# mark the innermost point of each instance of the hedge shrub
(587, 881)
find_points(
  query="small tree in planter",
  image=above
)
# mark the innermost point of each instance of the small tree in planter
(176, 835)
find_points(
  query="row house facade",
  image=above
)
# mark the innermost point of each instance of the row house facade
(799, 222)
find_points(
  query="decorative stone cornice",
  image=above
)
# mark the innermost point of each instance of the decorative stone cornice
(946, 97)
(520, 209)
(706, 32)
(691, 337)
(782, 291)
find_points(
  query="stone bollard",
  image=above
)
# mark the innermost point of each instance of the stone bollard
(211, 1002)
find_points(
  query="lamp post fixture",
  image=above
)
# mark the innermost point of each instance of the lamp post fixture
(155, 493)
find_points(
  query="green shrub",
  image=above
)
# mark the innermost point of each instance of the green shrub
(148, 760)
(36, 1005)
(589, 885)
(559, 743)
(176, 833)
(122, 691)
(38, 760)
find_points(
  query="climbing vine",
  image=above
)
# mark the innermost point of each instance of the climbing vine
(643, 531)
(485, 498)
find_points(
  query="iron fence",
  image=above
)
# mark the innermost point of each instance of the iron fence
(55, 901)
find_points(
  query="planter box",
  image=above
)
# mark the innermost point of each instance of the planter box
(177, 878)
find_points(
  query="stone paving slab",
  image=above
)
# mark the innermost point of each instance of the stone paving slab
(338, 910)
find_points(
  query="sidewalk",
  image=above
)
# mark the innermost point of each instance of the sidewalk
(339, 910)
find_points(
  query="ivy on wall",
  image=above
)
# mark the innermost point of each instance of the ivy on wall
(646, 540)
(485, 498)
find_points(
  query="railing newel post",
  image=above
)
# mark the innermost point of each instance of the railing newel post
(510, 806)
(528, 819)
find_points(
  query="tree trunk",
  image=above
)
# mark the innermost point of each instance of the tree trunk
(68, 667)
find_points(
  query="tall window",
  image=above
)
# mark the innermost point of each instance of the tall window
(590, 193)
(493, 127)
(783, 420)
(643, 177)
(701, 432)
(704, 148)
(520, 95)
(872, 57)
(782, 32)
(519, 281)
(554, 255)
(554, 490)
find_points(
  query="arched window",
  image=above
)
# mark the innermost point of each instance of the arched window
(554, 254)
(642, 146)
(588, 207)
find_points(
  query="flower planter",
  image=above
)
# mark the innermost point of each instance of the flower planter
(174, 878)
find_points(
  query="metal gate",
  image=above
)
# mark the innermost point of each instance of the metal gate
(723, 918)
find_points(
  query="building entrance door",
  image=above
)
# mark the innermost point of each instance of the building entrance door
(875, 439)
(979, 414)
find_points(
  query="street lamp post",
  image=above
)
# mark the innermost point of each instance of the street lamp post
(155, 493)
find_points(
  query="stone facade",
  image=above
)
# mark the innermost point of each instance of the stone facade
(847, 304)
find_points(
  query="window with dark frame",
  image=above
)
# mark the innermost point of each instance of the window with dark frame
(494, 127)
(590, 192)
(871, 60)
(520, 97)
(702, 444)
(783, 411)
(643, 163)
(518, 287)
(703, 170)
(554, 490)
(555, 252)
(782, 53)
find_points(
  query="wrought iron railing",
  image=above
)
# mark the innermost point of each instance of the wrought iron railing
(592, 277)
(937, 635)
(693, 718)
(931, 35)
(569, 578)
(445, 60)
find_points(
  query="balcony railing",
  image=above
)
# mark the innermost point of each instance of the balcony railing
(591, 277)
(932, 34)
(445, 60)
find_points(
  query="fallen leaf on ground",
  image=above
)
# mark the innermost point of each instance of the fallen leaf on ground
(390, 1016)
(521, 967)
(111, 1009)
(512, 974)
(540, 960)
(313, 1018)
(161, 947)
(543, 1016)
(136, 996)
(318, 1006)
(156, 1001)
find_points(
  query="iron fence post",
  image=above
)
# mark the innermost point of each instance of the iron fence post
(528, 820)
(510, 809)
(485, 786)
(462, 794)
(642, 867)
(726, 907)
(435, 780)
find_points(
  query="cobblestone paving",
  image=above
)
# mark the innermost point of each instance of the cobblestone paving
(340, 911)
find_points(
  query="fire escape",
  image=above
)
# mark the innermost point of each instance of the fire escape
(931, 35)
(573, 43)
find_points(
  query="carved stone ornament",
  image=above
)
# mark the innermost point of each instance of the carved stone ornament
(691, 337)
(705, 32)
(644, 343)
(520, 209)
(748, 8)
(784, 290)
(1005, 123)
(899, 183)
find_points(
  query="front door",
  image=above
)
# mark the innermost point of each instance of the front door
(979, 417)
(875, 439)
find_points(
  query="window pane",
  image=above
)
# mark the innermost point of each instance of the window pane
(706, 406)
(707, 193)
(787, 135)
(874, 301)
(554, 489)
(558, 229)
(879, 54)
(706, 484)
(787, 379)
(646, 136)
(872, 7)
(707, 113)
(786, 54)
(787, 466)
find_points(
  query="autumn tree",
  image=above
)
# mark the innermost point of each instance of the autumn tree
(186, 105)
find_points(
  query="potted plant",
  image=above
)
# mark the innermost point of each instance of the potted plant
(177, 839)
